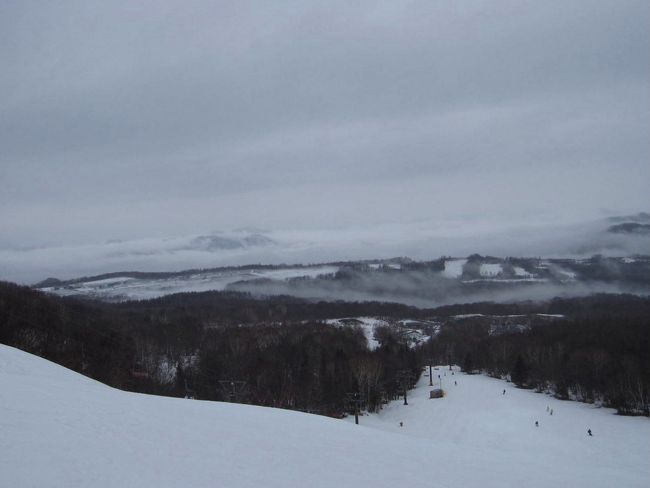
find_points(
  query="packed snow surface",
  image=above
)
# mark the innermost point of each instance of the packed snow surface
(476, 424)
(60, 429)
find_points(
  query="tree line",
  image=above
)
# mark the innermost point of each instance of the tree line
(189, 346)
(282, 354)
(601, 358)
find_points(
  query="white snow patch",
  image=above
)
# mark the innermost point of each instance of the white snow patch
(407, 330)
(367, 324)
(109, 281)
(415, 337)
(490, 269)
(570, 275)
(505, 280)
(454, 268)
(521, 272)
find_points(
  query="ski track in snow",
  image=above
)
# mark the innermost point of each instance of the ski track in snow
(61, 429)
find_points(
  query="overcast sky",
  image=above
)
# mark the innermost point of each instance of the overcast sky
(122, 120)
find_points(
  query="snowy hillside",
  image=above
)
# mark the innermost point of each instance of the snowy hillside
(476, 417)
(419, 283)
(62, 429)
(130, 288)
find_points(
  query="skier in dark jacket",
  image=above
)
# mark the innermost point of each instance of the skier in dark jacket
(589, 432)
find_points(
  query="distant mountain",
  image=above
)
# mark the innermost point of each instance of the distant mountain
(620, 236)
(217, 242)
(641, 217)
(48, 282)
(630, 228)
(421, 283)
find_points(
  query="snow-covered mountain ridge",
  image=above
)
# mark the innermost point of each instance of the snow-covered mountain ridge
(421, 283)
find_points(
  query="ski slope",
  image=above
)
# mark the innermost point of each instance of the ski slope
(367, 324)
(60, 429)
(476, 415)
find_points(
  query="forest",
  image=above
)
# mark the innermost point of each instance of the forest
(199, 346)
(278, 351)
(601, 358)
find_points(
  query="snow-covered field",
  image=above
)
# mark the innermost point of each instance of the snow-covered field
(126, 288)
(60, 429)
(454, 268)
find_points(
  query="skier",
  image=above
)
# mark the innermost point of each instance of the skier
(551, 412)
(589, 432)
(536, 423)
(504, 392)
(401, 424)
(455, 382)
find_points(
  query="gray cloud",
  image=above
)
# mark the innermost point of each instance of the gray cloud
(148, 119)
